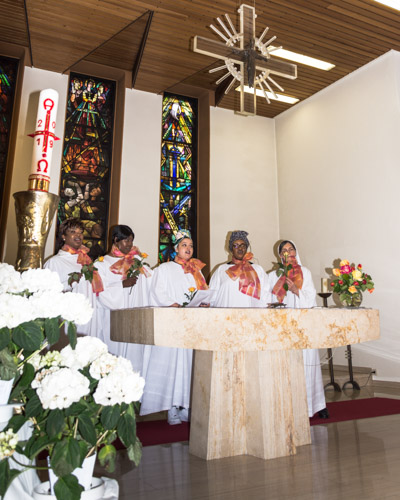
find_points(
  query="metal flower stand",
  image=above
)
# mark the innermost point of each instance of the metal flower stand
(335, 385)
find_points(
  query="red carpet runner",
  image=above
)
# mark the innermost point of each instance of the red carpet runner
(159, 432)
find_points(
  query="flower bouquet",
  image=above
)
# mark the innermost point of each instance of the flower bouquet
(190, 296)
(350, 282)
(86, 271)
(138, 266)
(283, 268)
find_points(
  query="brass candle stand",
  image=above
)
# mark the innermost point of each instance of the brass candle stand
(34, 213)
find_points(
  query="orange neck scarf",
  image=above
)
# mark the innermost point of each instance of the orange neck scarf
(249, 282)
(123, 265)
(194, 266)
(295, 274)
(85, 260)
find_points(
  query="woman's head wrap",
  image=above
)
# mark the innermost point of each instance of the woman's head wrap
(238, 235)
(179, 236)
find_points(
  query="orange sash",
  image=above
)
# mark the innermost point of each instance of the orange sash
(194, 266)
(295, 274)
(249, 282)
(85, 260)
(123, 265)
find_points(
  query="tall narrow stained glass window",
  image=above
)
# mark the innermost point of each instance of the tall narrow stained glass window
(8, 79)
(178, 171)
(87, 158)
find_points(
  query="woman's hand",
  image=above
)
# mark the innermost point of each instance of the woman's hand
(292, 287)
(129, 282)
(175, 304)
(204, 305)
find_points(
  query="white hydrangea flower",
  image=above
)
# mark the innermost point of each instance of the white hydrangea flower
(41, 280)
(47, 304)
(76, 307)
(116, 389)
(14, 310)
(62, 388)
(10, 279)
(103, 365)
(35, 361)
(8, 443)
(40, 375)
(87, 350)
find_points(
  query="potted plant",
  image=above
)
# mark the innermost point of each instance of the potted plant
(78, 400)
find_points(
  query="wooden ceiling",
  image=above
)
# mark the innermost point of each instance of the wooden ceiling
(152, 38)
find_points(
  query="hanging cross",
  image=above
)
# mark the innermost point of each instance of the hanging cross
(252, 56)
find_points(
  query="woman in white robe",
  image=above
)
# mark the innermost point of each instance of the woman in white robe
(301, 295)
(169, 370)
(70, 259)
(121, 292)
(227, 287)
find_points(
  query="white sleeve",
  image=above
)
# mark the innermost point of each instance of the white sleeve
(307, 294)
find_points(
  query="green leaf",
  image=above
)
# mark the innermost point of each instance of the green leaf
(28, 335)
(24, 381)
(286, 286)
(110, 416)
(87, 429)
(127, 429)
(66, 457)
(52, 330)
(5, 337)
(55, 423)
(76, 409)
(16, 422)
(35, 445)
(107, 456)
(33, 407)
(72, 334)
(135, 452)
(7, 475)
(8, 368)
(68, 488)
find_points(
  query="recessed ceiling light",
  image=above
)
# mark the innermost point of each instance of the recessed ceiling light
(302, 59)
(394, 4)
(279, 97)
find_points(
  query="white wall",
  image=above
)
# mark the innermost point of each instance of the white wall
(140, 171)
(35, 80)
(243, 192)
(338, 176)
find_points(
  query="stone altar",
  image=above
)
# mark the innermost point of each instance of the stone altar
(248, 384)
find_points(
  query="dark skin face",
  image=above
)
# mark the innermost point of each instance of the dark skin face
(73, 237)
(124, 245)
(239, 249)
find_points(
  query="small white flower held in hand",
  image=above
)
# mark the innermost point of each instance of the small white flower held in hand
(8, 443)
(62, 388)
(87, 350)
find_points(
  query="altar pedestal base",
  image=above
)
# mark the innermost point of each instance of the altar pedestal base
(236, 396)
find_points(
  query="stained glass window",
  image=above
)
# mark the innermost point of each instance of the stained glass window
(178, 171)
(87, 156)
(8, 78)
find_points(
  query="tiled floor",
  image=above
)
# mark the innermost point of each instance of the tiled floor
(348, 460)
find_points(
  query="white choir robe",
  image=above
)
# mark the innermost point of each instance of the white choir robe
(225, 291)
(312, 364)
(115, 297)
(167, 370)
(64, 263)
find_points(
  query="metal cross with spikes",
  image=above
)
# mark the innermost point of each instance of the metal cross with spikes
(251, 56)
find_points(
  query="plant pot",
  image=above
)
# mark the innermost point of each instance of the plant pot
(42, 491)
(5, 390)
(84, 474)
(352, 300)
